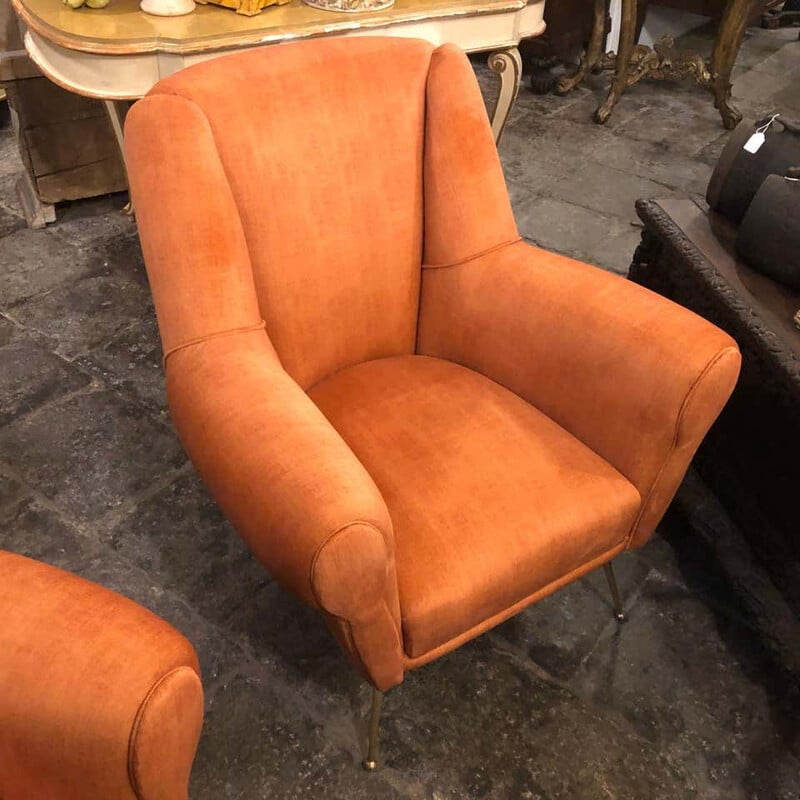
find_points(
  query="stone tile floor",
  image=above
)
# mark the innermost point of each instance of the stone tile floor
(698, 695)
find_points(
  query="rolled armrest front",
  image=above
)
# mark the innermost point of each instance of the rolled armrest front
(292, 488)
(101, 699)
(635, 377)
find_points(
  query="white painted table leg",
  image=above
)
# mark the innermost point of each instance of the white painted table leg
(507, 65)
(116, 113)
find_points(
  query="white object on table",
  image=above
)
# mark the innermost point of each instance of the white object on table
(167, 8)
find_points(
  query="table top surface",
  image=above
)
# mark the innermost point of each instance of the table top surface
(122, 28)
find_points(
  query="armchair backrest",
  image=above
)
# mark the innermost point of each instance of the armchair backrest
(296, 184)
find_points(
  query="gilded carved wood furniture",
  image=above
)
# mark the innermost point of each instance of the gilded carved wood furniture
(633, 62)
(247, 7)
(750, 457)
(121, 55)
(568, 29)
(419, 423)
(781, 14)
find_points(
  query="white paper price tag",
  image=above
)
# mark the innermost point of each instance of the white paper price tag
(753, 144)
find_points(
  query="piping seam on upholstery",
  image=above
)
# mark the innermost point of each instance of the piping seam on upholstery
(674, 446)
(474, 255)
(132, 765)
(216, 335)
(319, 550)
(224, 168)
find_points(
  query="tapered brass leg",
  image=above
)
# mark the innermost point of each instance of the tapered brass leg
(371, 761)
(619, 613)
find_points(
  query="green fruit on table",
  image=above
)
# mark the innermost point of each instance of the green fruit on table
(87, 3)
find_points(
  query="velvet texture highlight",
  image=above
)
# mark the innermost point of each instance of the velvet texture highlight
(490, 500)
(436, 424)
(637, 380)
(101, 698)
(348, 292)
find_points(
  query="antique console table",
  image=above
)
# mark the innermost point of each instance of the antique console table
(633, 62)
(119, 53)
(751, 457)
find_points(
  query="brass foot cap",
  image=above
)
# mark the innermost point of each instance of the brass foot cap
(369, 766)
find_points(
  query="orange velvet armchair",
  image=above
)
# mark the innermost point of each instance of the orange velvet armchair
(100, 699)
(419, 423)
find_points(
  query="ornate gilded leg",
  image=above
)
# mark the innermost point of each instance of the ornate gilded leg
(619, 613)
(594, 51)
(627, 35)
(507, 64)
(116, 113)
(726, 46)
(371, 761)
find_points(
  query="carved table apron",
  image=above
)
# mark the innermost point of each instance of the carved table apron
(119, 53)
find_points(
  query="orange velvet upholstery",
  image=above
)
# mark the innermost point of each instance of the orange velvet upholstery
(101, 699)
(490, 500)
(637, 379)
(352, 268)
(419, 423)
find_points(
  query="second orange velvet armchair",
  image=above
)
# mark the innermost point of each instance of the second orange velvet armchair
(419, 423)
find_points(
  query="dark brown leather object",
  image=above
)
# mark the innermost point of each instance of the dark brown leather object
(769, 237)
(739, 174)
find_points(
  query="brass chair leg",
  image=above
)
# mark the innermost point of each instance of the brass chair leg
(371, 761)
(619, 613)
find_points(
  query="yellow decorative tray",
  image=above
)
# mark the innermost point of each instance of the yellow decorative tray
(247, 7)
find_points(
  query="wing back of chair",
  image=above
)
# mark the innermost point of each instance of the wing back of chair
(294, 188)
(312, 154)
(467, 208)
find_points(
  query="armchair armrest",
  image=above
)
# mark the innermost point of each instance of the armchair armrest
(283, 476)
(101, 698)
(292, 488)
(635, 377)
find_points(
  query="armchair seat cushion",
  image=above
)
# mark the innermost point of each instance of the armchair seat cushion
(492, 503)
